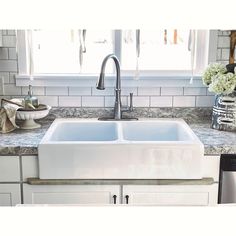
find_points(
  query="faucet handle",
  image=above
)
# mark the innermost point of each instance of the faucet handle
(131, 108)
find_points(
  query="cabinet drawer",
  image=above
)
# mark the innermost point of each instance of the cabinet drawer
(10, 194)
(29, 167)
(190, 195)
(71, 194)
(9, 169)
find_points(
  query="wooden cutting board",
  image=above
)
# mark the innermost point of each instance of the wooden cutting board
(232, 46)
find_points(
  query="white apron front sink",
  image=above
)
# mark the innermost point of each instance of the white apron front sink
(145, 149)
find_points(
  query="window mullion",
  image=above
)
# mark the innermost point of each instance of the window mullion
(117, 44)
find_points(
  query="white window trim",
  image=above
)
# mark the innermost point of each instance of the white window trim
(150, 78)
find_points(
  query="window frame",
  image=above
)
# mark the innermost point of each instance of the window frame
(146, 78)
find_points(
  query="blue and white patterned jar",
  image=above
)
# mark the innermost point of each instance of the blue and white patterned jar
(224, 112)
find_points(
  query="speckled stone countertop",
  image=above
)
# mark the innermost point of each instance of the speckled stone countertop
(25, 142)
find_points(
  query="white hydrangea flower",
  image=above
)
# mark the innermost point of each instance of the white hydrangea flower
(212, 70)
(223, 83)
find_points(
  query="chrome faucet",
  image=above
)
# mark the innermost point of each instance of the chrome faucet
(100, 85)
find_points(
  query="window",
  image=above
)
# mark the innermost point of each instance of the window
(63, 52)
(80, 52)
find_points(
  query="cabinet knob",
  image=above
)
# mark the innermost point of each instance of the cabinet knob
(114, 199)
(127, 199)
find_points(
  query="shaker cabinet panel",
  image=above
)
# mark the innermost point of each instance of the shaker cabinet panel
(194, 195)
(10, 194)
(71, 194)
(211, 167)
(9, 169)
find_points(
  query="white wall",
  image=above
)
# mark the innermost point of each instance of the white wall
(188, 96)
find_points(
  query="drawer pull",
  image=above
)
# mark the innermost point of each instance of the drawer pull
(114, 199)
(127, 199)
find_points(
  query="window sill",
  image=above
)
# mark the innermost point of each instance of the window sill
(91, 80)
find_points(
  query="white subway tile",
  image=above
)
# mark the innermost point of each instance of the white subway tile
(106, 92)
(223, 42)
(171, 91)
(139, 101)
(110, 101)
(195, 91)
(225, 54)
(224, 62)
(5, 76)
(218, 54)
(56, 90)
(11, 89)
(11, 32)
(3, 53)
(226, 32)
(1, 87)
(205, 101)
(49, 100)
(128, 90)
(36, 90)
(93, 101)
(72, 101)
(210, 93)
(4, 32)
(9, 41)
(12, 78)
(184, 101)
(8, 65)
(79, 91)
(149, 91)
(161, 101)
(12, 53)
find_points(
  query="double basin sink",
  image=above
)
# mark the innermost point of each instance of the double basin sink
(144, 149)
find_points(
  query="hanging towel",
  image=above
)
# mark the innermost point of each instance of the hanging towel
(8, 116)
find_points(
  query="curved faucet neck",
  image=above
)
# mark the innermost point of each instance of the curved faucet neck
(117, 64)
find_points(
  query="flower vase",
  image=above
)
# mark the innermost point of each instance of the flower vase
(224, 112)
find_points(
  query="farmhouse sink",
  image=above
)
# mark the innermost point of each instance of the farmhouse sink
(144, 149)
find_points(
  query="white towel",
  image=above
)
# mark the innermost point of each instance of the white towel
(8, 116)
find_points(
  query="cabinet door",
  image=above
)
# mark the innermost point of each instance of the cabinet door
(9, 169)
(10, 194)
(171, 195)
(71, 194)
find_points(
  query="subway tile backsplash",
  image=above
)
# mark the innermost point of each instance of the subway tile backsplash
(184, 101)
(161, 101)
(166, 95)
(69, 101)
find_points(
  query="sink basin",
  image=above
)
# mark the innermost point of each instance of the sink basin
(156, 131)
(144, 149)
(84, 131)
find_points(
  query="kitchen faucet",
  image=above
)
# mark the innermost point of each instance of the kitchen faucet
(100, 85)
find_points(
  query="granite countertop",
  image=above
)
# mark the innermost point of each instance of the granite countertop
(25, 142)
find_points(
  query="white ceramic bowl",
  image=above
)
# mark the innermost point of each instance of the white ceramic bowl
(30, 116)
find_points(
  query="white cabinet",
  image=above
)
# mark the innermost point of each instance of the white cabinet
(166, 195)
(71, 194)
(30, 167)
(10, 194)
(9, 169)
(170, 195)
